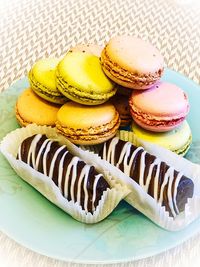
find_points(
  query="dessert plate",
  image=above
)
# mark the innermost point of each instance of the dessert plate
(126, 235)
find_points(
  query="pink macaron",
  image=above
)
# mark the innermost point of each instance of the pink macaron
(161, 108)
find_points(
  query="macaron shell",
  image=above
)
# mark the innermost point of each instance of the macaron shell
(84, 72)
(42, 78)
(92, 49)
(76, 116)
(81, 79)
(162, 100)
(86, 125)
(161, 108)
(32, 109)
(134, 54)
(177, 140)
(44, 72)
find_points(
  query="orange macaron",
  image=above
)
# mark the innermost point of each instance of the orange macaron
(87, 125)
(30, 108)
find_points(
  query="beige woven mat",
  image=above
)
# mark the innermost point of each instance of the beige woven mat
(32, 29)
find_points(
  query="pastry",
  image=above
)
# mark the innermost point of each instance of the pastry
(132, 62)
(122, 106)
(76, 180)
(87, 125)
(81, 79)
(73, 179)
(161, 108)
(91, 49)
(167, 186)
(43, 80)
(177, 140)
(30, 108)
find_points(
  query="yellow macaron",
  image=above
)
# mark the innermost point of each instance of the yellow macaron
(81, 79)
(87, 125)
(30, 108)
(177, 140)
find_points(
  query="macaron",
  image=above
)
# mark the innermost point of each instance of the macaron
(132, 62)
(92, 49)
(87, 125)
(81, 79)
(30, 108)
(122, 106)
(177, 140)
(161, 108)
(42, 79)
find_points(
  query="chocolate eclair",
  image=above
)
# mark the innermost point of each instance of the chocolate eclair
(77, 181)
(167, 186)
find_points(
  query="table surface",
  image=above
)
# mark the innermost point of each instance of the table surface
(32, 29)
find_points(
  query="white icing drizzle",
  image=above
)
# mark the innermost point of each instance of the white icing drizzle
(31, 151)
(97, 177)
(50, 174)
(178, 178)
(74, 176)
(84, 173)
(71, 169)
(156, 179)
(44, 161)
(142, 168)
(149, 176)
(60, 171)
(39, 153)
(168, 178)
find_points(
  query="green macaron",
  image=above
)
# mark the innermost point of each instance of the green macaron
(177, 140)
(42, 80)
(81, 79)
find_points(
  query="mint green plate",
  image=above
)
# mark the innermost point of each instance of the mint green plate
(126, 235)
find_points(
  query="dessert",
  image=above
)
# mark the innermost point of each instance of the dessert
(132, 62)
(177, 140)
(161, 108)
(87, 125)
(43, 80)
(81, 79)
(122, 106)
(76, 180)
(167, 186)
(30, 108)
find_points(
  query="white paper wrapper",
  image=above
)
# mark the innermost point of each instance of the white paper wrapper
(110, 198)
(142, 201)
(147, 205)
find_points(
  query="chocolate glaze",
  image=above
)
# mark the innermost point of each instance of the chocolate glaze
(168, 186)
(78, 181)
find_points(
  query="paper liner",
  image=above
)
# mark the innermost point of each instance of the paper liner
(110, 198)
(147, 205)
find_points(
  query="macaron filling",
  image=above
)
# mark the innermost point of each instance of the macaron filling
(113, 69)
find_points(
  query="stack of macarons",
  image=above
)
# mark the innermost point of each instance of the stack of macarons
(72, 95)
(158, 108)
(93, 90)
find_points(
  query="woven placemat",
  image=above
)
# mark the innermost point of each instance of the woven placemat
(30, 30)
